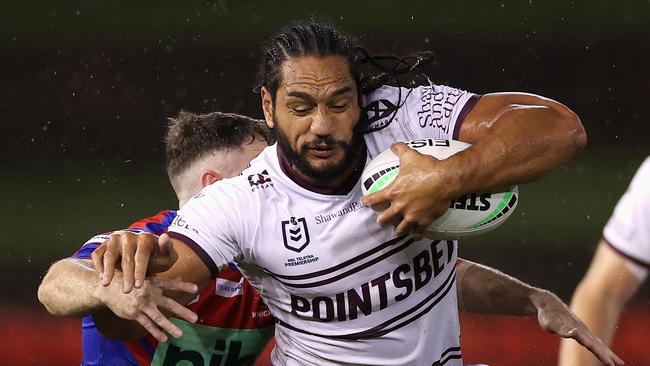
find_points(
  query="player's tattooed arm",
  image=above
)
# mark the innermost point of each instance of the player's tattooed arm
(484, 290)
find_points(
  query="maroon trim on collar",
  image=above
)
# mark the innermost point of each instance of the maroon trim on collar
(625, 255)
(471, 102)
(343, 189)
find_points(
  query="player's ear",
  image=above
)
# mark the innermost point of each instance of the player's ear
(267, 106)
(208, 177)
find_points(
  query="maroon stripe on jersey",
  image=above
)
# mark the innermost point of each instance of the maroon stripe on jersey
(471, 102)
(351, 271)
(344, 188)
(444, 357)
(437, 295)
(353, 260)
(205, 257)
(628, 256)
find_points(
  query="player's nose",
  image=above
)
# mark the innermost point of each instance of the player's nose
(322, 124)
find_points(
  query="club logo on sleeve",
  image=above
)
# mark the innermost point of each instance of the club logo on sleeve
(378, 112)
(259, 180)
(295, 234)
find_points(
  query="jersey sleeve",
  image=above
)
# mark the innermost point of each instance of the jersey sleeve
(432, 110)
(155, 225)
(628, 229)
(206, 224)
(89, 246)
(439, 110)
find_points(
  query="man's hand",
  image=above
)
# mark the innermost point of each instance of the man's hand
(144, 304)
(419, 194)
(137, 254)
(555, 317)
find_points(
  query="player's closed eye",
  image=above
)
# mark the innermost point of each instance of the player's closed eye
(339, 107)
(301, 110)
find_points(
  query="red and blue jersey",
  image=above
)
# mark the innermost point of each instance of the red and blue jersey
(234, 324)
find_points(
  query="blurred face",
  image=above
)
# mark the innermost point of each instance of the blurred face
(314, 116)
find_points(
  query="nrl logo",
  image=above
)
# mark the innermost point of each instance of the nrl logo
(260, 180)
(295, 234)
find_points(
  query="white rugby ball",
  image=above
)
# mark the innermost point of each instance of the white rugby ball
(471, 214)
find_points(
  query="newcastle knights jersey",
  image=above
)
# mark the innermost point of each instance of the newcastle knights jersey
(234, 324)
(344, 289)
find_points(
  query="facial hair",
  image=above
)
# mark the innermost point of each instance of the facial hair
(325, 174)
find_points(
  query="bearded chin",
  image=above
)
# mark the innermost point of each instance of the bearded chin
(323, 174)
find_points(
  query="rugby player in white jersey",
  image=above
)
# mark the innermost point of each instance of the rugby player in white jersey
(618, 268)
(348, 286)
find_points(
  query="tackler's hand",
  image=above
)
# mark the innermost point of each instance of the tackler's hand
(555, 317)
(138, 254)
(418, 196)
(146, 304)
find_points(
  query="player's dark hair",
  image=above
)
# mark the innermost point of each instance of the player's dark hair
(302, 38)
(191, 136)
(314, 38)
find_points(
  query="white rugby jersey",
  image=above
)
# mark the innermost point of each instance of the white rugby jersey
(345, 291)
(628, 230)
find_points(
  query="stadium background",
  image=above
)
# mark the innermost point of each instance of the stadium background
(85, 87)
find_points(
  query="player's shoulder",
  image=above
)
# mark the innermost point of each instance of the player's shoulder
(156, 224)
(424, 103)
(638, 191)
(393, 93)
(642, 176)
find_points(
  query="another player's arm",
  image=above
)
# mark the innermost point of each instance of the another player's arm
(186, 267)
(598, 301)
(485, 290)
(72, 288)
(69, 288)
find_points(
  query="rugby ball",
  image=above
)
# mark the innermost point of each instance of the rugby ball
(471, 214)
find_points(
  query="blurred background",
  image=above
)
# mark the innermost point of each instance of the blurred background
(85, 87)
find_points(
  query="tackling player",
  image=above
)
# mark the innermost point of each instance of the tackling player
(233, 324)
(347, 290)
(617, 270)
